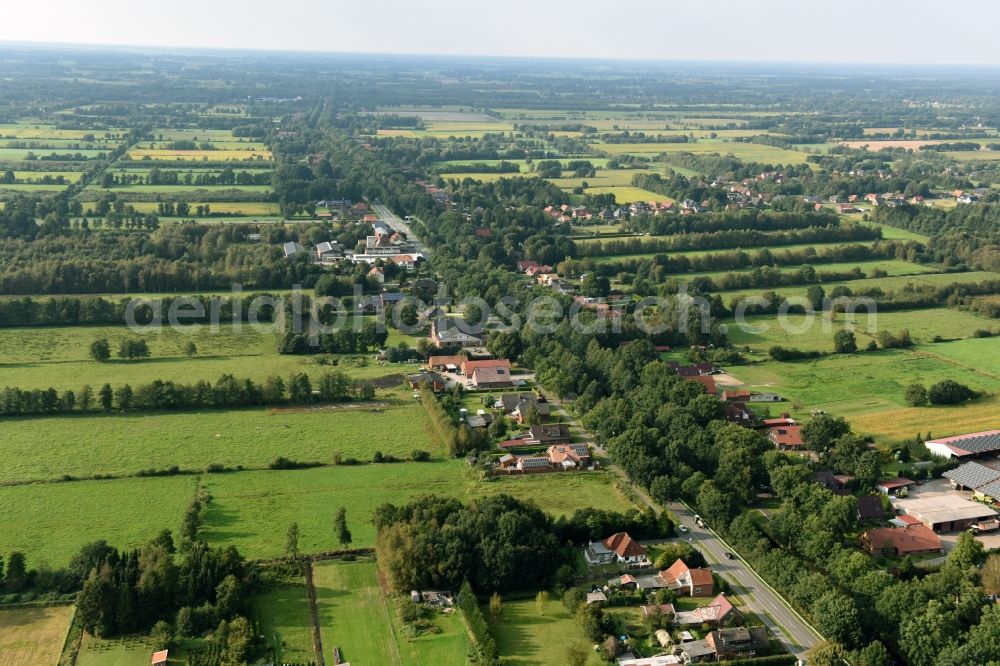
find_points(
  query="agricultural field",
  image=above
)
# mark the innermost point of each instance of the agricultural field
(774, 249)
(361, 619)
(282, 611)
(252, 437)
(222, 155)
(868, 389)
(748, 152)
(528, 638)
(44, 520)
(33, 635)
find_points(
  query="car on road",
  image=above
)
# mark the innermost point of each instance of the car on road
(728, 555)
(683, 529)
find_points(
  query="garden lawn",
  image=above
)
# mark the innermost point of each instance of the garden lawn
(525, 637)
(282, 611)
(359, 618)
(50, 522)
(83, 445)
(33, 635)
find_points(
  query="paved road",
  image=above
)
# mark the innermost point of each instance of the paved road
(783, 622)
(400, 225)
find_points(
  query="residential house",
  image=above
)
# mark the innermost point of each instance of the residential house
(390, 298)
(617, 548)
(516, 405)
(536, 270)
(687, 581)
(446, 363)
(568, 456)
(781, 421)
(493, 377)
(377, 273)
(541, 410)
(739, 413)
(735, 396)
(870, 508)
(738, 642)
(159, 658)
(469, 366)
(708, 381)
(329, 252)
(718, 612)
(430, 379)
(292, 248)
(445, 332)
(901, 541)
(786, 438)
(407, 261)
(596, 597)
(549, 434)
(480, 420)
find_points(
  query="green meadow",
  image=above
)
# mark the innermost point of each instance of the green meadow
(60, 357)
(252, 510)
(282, 609)
(84, 445)
(528, 638)
(49, 522)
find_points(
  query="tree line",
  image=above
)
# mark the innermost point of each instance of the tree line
(226, 392)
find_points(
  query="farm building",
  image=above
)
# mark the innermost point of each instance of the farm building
(895, 486)
(974, 445)
(971, 475)
(946, 512)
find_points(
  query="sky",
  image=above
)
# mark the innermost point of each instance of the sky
(806, 31)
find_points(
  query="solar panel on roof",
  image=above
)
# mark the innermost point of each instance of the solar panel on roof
(972, 475)
(978, 444)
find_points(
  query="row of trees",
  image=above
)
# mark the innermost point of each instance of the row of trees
(227, 391)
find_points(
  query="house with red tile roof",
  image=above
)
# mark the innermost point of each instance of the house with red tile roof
(786, 438)
(469, 367)
(685, 580)
(708, 381)
(718, 612)
(735, 396)
(619, 547)
(159, 658)
(901, 541)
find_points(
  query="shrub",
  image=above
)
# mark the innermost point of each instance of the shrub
(949, 392)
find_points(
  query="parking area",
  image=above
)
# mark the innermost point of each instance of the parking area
(935, 500)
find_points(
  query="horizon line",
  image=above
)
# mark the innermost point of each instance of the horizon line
(167, 49)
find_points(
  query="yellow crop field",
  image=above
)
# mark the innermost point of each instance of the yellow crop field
(163, 155)
(30, 636)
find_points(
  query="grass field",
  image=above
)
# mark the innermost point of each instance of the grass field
(775, 249)
(50, 522)
(748, 152)
(30, 636)
(528, 639)
(82, 445)
(252, 510)
(282, 612)
(923, 325)
(33, 187)
(359, 618)
(45, 131)
(194, 190)
(20, 154)
(628, 194)
(165, 155)
(886, 284)
(69, 176)
(59, 357)
(892, 267)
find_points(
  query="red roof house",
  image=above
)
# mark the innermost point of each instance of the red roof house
(786, 438)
